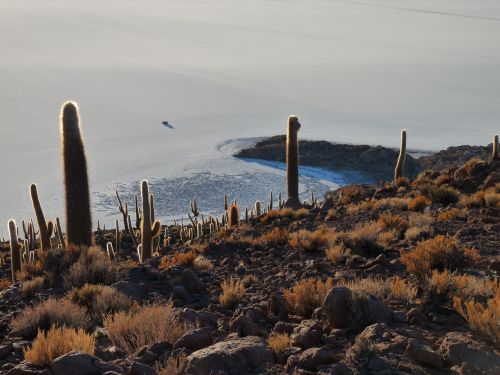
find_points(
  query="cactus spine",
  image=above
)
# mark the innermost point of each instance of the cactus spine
(76, 184)
(496, 153)
(398, 172)
(148, 230)
(46, 228)
(234, 215)
(292, 162)
(15, 250)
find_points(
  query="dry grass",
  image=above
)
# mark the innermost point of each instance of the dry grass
(396, 288)
(418, 203)
(92, 267)
(482, 318)
(144, 326)
(56, 342)
(438, 253)
(452, 214)
(307, 295)
(32, 286)
(388, 221)
(276, 237)
(364, 239)
(202, 263)
(58, 312)
(440, 194)
(311, 241)
(402, 182)
(100, 300)
(401, 289)
(351, 194)
(232, 292)
(353, 209)
(172, 366)
(337, 254)
(279, 342)
(387, 203)
(285, 213)
(492, 199)
(178, 259)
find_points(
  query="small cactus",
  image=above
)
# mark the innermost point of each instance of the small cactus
(15, 250)
(117, 236)
(60, 234)
(234, 216)
(149, 230)
(46, 228)
(292, 163)
(199, 230)
(496, 153)
(78, 217)
(398, 172)
(194, 208)
(257, 209)
(110, 251)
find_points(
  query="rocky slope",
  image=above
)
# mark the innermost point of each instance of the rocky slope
(371, 281)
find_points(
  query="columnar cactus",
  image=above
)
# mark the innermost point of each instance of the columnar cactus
(46, 228)
(76, 184)
(117, 236)
(15, 250)
(257, 209)
(124, 212)
(60, 234)
(148, 230)
(398, 172)
(292, 162)
(234, 215)
(496, 153)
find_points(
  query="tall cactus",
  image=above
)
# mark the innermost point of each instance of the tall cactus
(148, 230)
(46, 228)
(496, 153)
(15, 250)
(234, 215)
(78, 217)
(60, 234)
(292, 162)
(398, 172)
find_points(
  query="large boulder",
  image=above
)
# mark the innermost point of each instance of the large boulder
(195, 339)
(306, 334)
(346, 308)
(245, 355)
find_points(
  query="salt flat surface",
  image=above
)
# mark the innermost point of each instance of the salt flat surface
(354, 71)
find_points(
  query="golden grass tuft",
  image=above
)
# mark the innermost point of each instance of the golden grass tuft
(337, 254)
(452, 214)
(444, 195)
(285, 213)
(144, 325)
(30, 287)
(311, 241)
(439, 253)
(276, 237)
(178, 259)
(100, 300)
(58, 341)
(418, 203)
(232, 292)
(172, 366)
(307, 295)
(279, 342)
(201, 263)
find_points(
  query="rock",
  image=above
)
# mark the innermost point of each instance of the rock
(463, 352)
(26, 368)
(195, 339)
(181, 293)
(239, 355)
(311, 358)
(354, 309)
(76, 363)
(306, 334)
(137, 368)
(135, 291)
(416, 316)
(278, 306)
(191, 281)
(5, 350)
(423, 354)
(243, 326)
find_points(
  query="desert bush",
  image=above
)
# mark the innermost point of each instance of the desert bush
(172, 366)
(92, 267)
(49, 345)
(351, 194)
(401, 182)
(4, 283)
(452, 214)
(307, 295)
(311, 241)
(337, 254)
(285, 213)
(438, 253)
(418, 203)
(364, 239)
(394, 202)
(52, 312)
(492, 199)
(440, 194)
(367, 205)
(389, 221)
(276, 237)
(232, 292)
(144, 325)
(30, 287)
(201, 263)
(279, 342)
(401, 289)
(178, 259)
(394, 288)
(100, 300)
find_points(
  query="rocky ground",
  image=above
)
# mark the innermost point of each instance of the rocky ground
(398, 279)
(375, 162)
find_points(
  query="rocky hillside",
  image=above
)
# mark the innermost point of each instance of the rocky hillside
(375, 162)
(371, 281)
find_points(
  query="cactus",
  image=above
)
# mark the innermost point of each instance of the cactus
(194, 208)
(78, 217)
(60, 234)
(292, 163)
(46, 228)
(496, 153)
(148, 230)
(398, 172)
(257, 209)
(156, 239)
(124, 212)
(234, 216)
(133, 233)
(246, 214)
(117, 236)
(270, 207)
(137, 214)
(199, 230)
(15, 250)
(111, 251)
(226, 205)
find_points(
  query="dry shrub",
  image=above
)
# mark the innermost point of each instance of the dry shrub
(389, 221)
(440, 285)
(397, 203)
(57, 312)
(92, 267)
(368, 205)
(468, 286)
(401, 181)
(351, 194)
(285, 213)
(279, 342)
(442, 179)
(276, 237)
(419, 225)
(395, 288)
(30, 287)
(452, 214)
(444, 195)
(482, 318)
(56, 342)
(337, 254)
(311, 241)
(402, 290)
(201, 263)
(388, 237)
(492, 199)
(474, 200)
(307, 295)
(172, 366)
(418, 203)
(232, 292)
(249, 280)
(100, 300)
(178, 259)
(364, 239)
(144, 325)
(438, 253)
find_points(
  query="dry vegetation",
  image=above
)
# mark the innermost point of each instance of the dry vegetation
(307, 295)
(232, 292)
